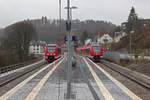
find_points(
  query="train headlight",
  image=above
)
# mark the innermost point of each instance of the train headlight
(47, 54)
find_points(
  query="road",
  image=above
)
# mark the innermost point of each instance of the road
(89, 82)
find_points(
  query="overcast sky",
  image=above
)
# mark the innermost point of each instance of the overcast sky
(115, 11)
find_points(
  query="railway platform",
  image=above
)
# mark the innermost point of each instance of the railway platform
(89, 82)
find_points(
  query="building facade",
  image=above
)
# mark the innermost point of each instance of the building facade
(118, 36)
(105, 41)
(106, 38)
(37, 47)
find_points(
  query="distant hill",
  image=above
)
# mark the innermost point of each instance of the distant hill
(49, 30)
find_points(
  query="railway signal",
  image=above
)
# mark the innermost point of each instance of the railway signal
(68, 26)
(72, 38)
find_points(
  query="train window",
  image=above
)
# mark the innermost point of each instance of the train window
(96, 49)
(51, 49)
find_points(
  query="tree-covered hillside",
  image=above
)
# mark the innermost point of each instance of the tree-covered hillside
(49, 30)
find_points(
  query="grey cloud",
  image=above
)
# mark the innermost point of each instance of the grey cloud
(115, 11)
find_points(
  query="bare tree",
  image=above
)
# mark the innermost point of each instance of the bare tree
(17, 39)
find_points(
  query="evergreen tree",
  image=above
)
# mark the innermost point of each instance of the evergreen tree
(132, 20)
(132, 27)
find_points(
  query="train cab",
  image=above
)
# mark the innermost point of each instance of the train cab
(52, 52)
(93, 52)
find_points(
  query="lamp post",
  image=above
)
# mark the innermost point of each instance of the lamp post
(60, 30)
(105, 41)
(60, 15)
(70, 13)
(71, 8)
(131, 32)
(69, 69)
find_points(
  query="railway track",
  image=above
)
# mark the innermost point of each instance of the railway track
(6, 69)
(17, 73)
(88, 82)
(125, 82)
(84, 74)
(42, 74)
(136, 77)
(104, 79)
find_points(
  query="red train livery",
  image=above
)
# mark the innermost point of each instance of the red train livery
(52, 52)
(94, 52)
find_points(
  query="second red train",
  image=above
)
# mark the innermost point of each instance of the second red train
(92, 51)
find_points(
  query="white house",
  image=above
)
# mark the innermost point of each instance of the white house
(118, 36)
(106, 38)
(37, 47)
(88, 41)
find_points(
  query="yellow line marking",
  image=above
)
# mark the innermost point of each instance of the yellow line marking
(13, 90)
(125, 89)
(101, 86)
(39, 86)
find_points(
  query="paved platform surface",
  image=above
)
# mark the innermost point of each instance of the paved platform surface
(51, 84)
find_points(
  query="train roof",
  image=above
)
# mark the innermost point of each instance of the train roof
(90, 46)
(52, 45)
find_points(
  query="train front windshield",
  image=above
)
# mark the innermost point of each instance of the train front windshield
(96, 49)
(51, 49)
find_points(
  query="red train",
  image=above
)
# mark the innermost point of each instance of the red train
(91, 51)
(52, 52)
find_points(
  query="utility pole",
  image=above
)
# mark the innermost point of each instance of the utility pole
(69, 75)
(130, 44)
(60, 15)
(60, 30)
(131, 32)
(69, 39)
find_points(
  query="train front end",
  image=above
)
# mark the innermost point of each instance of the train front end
(97, 52)
(52, 52)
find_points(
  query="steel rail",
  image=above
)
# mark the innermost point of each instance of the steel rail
(15, 66)
(28, 70)
(14, 77)
(84, 72)
(144, 82)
